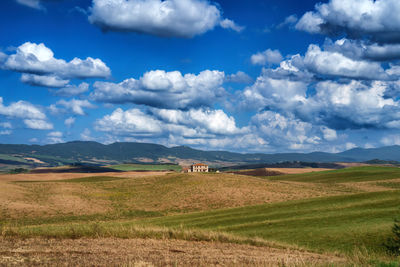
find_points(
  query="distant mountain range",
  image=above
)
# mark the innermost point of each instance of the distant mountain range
(81, 151)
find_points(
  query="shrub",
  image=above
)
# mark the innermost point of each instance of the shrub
(393, 242)
(19, 170)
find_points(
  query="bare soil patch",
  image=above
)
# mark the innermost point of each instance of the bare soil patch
(297, 170)
(149, 252)
(35, 160)
(63, 176)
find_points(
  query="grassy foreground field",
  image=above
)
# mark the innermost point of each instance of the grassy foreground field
(326, 220)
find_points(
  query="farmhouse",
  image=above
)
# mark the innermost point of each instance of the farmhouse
(199, 167)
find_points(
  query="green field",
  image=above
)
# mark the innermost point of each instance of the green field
(146, 167)
(351, 224)
(341, 223)
(355, 174)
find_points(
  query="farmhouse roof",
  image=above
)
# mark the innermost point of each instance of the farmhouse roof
(199, 164)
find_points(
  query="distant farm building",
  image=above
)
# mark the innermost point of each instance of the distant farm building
(199, 167)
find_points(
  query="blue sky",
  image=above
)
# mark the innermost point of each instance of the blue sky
(247, 76)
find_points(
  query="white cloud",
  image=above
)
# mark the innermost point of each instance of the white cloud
(169, 18)
(69, 121)
(289, 21)
(72, 90)
(164, 89)
(390, 140)
(55, 134)
(191, 124)
(229, 24)
(212, 121)
(32, 116)
(22, 110)
(351, 104)
(34, 140)
(350, 145)
(43, 80)
(55, 137)
(267, 91)
(130, 122)
(86, 135)
(35, 60)
(363, 50)
(238, 77)
(336, 64)
(6, 132)
(377, 20)
(268, 56)
(284, 131)
(30, 3)
(6, 125)
(38, 124)
(329, 134)
(75, 106)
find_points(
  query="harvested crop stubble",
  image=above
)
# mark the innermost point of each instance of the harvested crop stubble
(149, 252)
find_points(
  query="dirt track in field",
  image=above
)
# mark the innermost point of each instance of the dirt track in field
(148, 252)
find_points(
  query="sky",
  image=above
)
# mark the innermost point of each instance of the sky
(246, 76)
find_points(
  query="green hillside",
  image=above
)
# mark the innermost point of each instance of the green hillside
(93, 152)
(355, 174)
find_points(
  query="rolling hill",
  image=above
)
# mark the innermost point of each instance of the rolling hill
(82, 151)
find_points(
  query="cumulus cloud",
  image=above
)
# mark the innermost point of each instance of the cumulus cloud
(6, 125)
(39, 67)
(86, 135)
(44, 80)
(375, 20)
(285, 131)
(338, 105)
(289, 21)
(130, 122)
(164, 89)
(54, 137)
(268, 56)
(336, 64)
(32, 116)
(271, 92)
(194, 123)
(38, 124)
(390, 140)
(21, 110)
(69, 121)
(229, 24)
(362, 50)
(72, 90)
(341, 59)
(329, 134)
(168, 18)
(38, 59)
(238, 77)
(211, 121)
(76, 106)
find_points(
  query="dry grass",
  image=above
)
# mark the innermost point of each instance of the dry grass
(64, 176)
(150, 252)
(153, 192)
